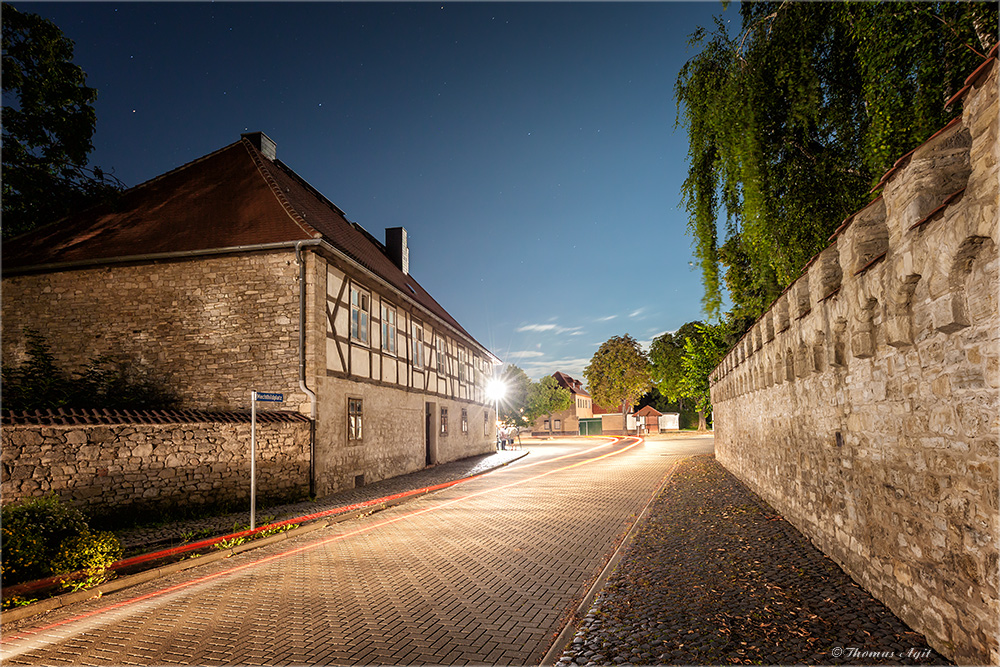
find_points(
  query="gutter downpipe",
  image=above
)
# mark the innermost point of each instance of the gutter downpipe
(302, 361)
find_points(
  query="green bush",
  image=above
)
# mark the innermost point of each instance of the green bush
(89, 553)
(42, 537)
(33, 531)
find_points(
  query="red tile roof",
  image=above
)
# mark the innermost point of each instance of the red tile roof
(228, 199)
(574, 386)
(648, 411)
(218, 201)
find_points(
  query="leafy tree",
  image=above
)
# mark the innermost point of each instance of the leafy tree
(514, 404)
(666, 371)
(48, 123)
(546, 397)
(618, 373)
(665, 360)
(702, 353)
(794, 119)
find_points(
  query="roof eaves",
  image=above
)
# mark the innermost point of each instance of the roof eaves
(152, 257)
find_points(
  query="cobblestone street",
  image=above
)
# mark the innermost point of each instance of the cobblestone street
(714, 576)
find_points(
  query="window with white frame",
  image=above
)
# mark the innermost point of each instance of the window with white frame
(354, 418)
(418, 345)
(465, 420)
(442, 359)
(486, 422)
(444, 421)
(557, 425)
(360, 313)
(388, 328)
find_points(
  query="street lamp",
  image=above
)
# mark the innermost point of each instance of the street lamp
(495, 389)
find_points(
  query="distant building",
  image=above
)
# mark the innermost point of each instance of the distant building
(566, 422)
(582, 418)
(231, 274)
(650, 420)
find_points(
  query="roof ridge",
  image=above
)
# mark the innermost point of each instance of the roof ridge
(276, 190)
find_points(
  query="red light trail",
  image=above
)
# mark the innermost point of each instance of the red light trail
(26, 634)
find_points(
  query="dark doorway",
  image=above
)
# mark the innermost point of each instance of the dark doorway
(429, 412)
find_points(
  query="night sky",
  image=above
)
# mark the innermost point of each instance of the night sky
(528, 148)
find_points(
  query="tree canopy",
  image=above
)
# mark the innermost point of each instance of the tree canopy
(545, 397)
(702, 353)
(514, 405)
(665, 355)
(48, 124)
(793, 120)
(618, 373)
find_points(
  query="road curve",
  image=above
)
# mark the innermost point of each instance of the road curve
(487, 571)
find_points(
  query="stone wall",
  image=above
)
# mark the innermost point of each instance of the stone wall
(213, 328)
(864, 404)
(122, 466)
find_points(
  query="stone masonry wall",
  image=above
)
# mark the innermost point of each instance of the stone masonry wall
(864, 404)
(137, 465)
(213, 328)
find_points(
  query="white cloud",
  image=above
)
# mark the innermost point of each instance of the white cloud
(526, 354)
(606, 319)
(547, 327)
(637, 312)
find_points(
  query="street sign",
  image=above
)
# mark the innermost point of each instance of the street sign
(266, 396)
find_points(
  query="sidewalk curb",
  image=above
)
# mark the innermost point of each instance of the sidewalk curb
(59, 601)
(563, 640)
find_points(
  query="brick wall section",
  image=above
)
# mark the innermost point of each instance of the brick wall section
(142, 465)
(213, 328)
(864, 404)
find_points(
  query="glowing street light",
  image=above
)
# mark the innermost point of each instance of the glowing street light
(496, 389)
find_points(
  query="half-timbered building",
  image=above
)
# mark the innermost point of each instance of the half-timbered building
(232, 274)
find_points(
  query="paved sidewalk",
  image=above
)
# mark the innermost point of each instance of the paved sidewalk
(154, 537)
(714, 576)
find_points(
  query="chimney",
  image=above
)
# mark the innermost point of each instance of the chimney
(262, 142)
(395, 246)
